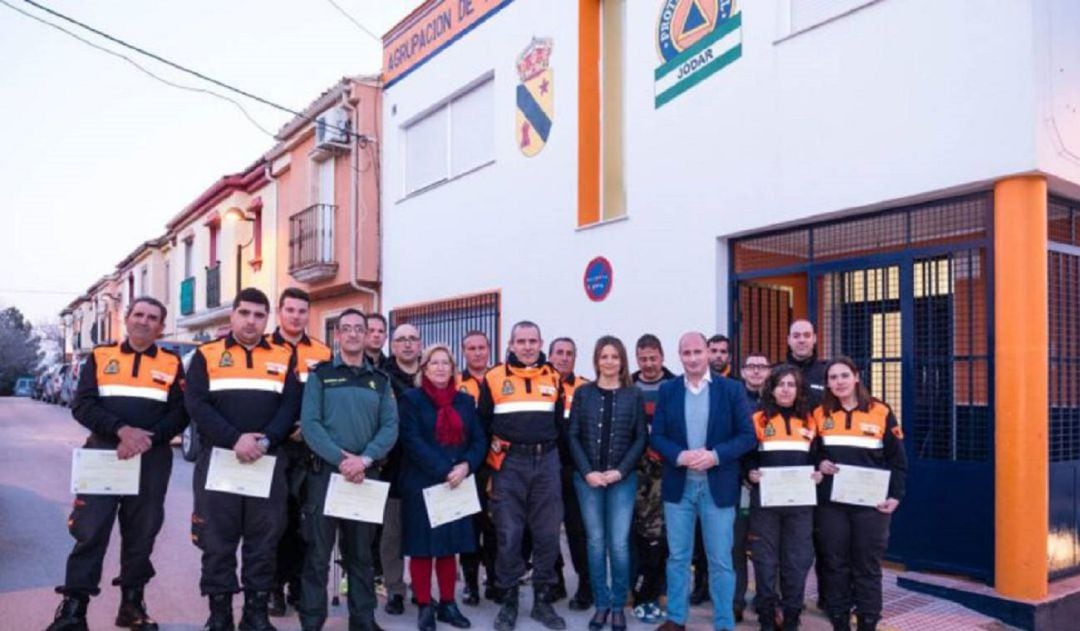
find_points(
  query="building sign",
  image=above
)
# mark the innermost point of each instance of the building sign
(598, 279)
(430, 29)
(695, 40)
(535, 97)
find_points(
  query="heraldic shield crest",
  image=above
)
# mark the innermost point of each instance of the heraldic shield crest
(535, 100)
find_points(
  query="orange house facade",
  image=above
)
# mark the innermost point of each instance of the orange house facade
(325, 172)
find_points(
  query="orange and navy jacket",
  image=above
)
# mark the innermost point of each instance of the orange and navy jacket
(310, 352)
(867, 436)
(521, 404)
(466, 382)
(232, 391)
(568, 388)
(120, 386)
(784, 440)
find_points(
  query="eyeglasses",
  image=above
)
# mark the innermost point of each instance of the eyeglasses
(352, 328)
(410, 338)
(756, 367)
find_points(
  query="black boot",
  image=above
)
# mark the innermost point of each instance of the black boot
(277, 607)
(701, 585)
(425, 618)
(221, 618)
(544, 613)
(583, 598)
(791, 620)
(767, 620)
(395, 605)
(866, 623)
(471, 594)
(840, 621)
(449, 613)
(506, 619)
(71, 614)
(132, 613)
(557, 592)
(255, 616)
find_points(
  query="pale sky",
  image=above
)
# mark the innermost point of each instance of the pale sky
(97, 156)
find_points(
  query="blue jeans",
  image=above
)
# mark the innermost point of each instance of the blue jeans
(607, 513)
(717, 526)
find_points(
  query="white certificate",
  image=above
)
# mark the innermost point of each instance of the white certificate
(860, 485)
(100, 472)
(445, 504)
(228, 475)
(788, 486)
(356, 502)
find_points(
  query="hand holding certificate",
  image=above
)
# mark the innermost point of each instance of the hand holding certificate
(446, 504)
(861, 486)
(228, 475)
(788, 486)
(101, 472)
(363, 501)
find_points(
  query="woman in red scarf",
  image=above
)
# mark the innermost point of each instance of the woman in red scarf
(443, 442)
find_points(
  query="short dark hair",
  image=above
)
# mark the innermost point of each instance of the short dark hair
(649, 341)
(551, 347)
(293, 292)
(376, 316)
(150, 300)
(348, 312)
(474, 332)
(253, 295)
(524, 324)
(716, 339)
(756, 353)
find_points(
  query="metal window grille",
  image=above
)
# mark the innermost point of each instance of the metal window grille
(447, 321)
(953, 220)
(763, 317)
(213, 286)
(311, 236)
(1063, 295)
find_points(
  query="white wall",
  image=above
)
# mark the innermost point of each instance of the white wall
(894, 101)
(1057, 78)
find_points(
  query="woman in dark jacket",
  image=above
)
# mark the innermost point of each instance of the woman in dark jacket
(443, 442)
(607, 436)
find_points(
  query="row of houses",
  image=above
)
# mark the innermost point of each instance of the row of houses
(904, 173)
(304, 214)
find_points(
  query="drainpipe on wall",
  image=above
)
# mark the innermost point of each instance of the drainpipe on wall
(354, 206)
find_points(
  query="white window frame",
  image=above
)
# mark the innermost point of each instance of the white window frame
(788, 28)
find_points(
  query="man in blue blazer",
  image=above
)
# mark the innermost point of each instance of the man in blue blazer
(701, 428)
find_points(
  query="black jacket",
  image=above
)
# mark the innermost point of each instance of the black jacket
(625, 437)
(813, 372)
(401, 382)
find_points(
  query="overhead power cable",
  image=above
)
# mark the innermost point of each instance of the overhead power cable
(143, 69)
(350, 18)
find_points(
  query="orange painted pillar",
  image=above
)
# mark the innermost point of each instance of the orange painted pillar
(1021, 474)
(588, 210)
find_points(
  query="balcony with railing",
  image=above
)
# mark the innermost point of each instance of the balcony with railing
(311, 244)
(187, 296)
(213, 286)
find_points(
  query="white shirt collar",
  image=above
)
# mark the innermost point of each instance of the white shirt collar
(704, 383)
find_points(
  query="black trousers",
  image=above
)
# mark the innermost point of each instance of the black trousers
(355, 538)
(853, 543)
(527, 494)
(575, 528)
(738, 556)
(649, 559)
(222, 521)
(782, 547)
(291, 547)
(141, 516)
(484, 528)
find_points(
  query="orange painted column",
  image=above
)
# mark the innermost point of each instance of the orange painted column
(588, 211)
(1021, 474)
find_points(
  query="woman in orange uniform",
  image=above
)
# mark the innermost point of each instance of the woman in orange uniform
(855, 429)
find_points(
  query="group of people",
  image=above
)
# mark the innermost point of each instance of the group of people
(649, 473)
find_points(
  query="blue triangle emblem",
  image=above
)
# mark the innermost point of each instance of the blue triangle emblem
(694, 18)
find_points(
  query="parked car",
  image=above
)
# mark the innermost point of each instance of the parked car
(24, 387)
(70, 383)
(39, 385)
(189, 438)
(54, 382)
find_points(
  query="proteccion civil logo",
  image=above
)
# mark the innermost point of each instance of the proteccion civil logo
(535, 97)
(695, 39)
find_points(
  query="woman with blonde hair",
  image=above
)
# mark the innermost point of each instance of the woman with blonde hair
(443, 442)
